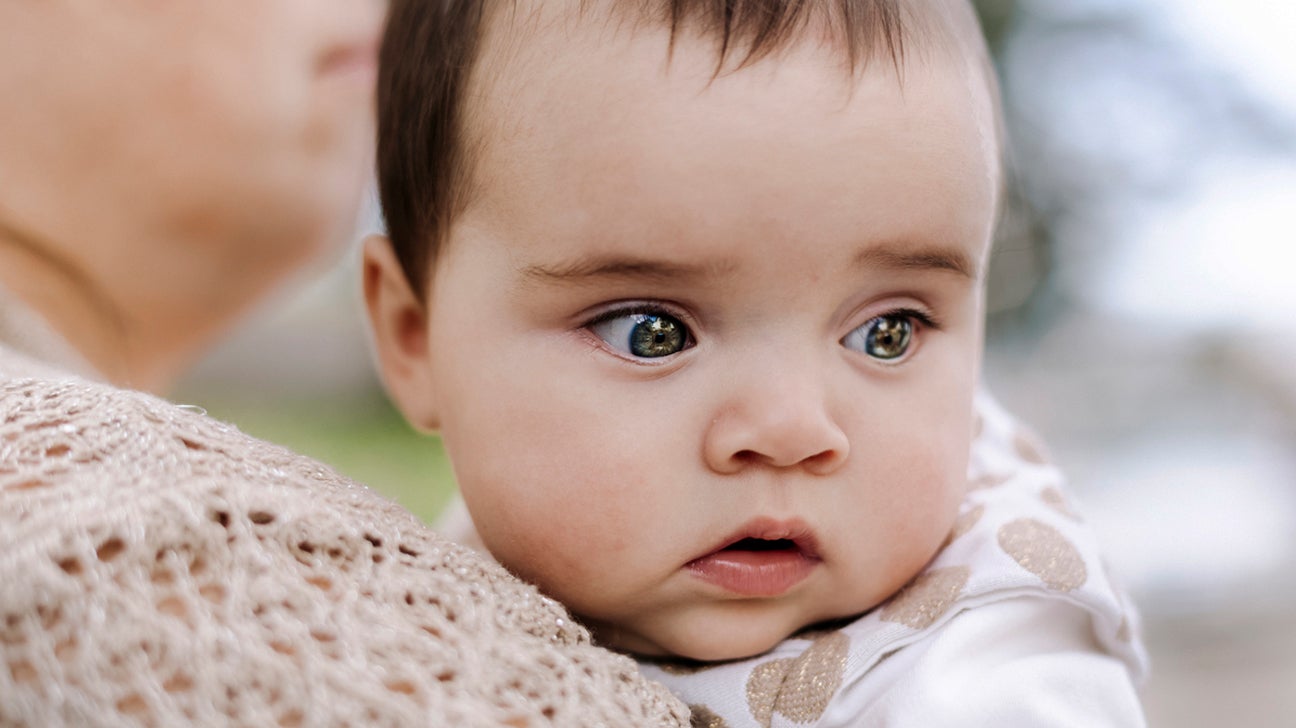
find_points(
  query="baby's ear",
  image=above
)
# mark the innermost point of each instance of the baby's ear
(398, 319)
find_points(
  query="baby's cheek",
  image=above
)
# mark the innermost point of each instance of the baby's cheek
(920, 511)
(944, 484)
(545, 530)
(535, 548)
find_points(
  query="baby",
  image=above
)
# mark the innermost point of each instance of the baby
(694, 293)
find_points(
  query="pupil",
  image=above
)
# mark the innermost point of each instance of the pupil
(656, 336)
(890, 338)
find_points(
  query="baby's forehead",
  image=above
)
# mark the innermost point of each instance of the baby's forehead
(613, 135)
(533, 48)
(739, 32)
(592, 64)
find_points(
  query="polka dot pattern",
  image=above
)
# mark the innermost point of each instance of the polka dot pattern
(1028, 448)
(988, 481)
(1044, 552)
(799, 688)
(763, 688)
(1054, 499)
(927, 598)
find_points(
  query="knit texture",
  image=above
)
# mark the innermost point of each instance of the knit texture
(158, 567)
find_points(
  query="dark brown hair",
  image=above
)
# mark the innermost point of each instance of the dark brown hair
(430, 49)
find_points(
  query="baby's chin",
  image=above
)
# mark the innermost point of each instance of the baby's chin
(711, 640)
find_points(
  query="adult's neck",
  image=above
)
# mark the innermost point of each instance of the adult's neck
(126, 341)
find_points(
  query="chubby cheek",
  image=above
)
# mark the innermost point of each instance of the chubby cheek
(920, 519)
(564, 492)
(913, 480)
(894, 542)
(563, 529)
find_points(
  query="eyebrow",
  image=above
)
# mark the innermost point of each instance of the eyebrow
(900, 257)
(629, 267)
(624, 267)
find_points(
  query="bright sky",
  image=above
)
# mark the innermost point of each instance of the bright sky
(1253, 37)
(1225, 252)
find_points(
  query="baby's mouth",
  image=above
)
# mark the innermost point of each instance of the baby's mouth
(764, 559)
(761, 545)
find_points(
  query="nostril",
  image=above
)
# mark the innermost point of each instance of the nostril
(825, 459)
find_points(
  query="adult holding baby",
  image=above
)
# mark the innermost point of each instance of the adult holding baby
(162, 167)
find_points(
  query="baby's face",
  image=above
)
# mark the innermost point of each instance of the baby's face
(704, 351)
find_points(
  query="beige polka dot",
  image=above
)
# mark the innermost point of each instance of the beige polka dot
(964, 523)
(1028, 447)
(763, 688)
(1044, 552)
(927, 598)
(978, 426)
(701, 716)
(988, 481)
(1054, 499)
(814, 678)
(799, 688)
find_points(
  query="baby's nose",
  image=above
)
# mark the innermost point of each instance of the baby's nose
(789, 424)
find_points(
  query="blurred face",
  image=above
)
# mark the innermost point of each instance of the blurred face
(243, 123)
(703, 351)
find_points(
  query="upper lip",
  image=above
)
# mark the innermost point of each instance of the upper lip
(772, 529)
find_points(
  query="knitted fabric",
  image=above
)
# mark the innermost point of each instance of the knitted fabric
(158, 567)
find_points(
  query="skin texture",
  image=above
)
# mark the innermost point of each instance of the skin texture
(169, 163)
(774, 210)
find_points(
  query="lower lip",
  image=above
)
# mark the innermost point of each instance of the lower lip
(754, 573)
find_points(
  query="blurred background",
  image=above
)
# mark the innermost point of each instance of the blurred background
(1143, 320)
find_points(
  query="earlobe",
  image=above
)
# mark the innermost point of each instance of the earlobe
(398, 319)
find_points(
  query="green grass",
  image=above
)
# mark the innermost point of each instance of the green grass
(367, 441)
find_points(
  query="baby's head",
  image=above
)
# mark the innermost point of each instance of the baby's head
(693, 293)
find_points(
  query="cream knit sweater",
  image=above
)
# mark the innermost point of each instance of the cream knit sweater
(158, 567)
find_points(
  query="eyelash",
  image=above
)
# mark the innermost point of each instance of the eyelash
(923, 319)
(918, 321)
(639, 308)
(636, 309)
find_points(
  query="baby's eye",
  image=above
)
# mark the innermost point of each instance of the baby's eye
(643, 335)
(885, 338)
